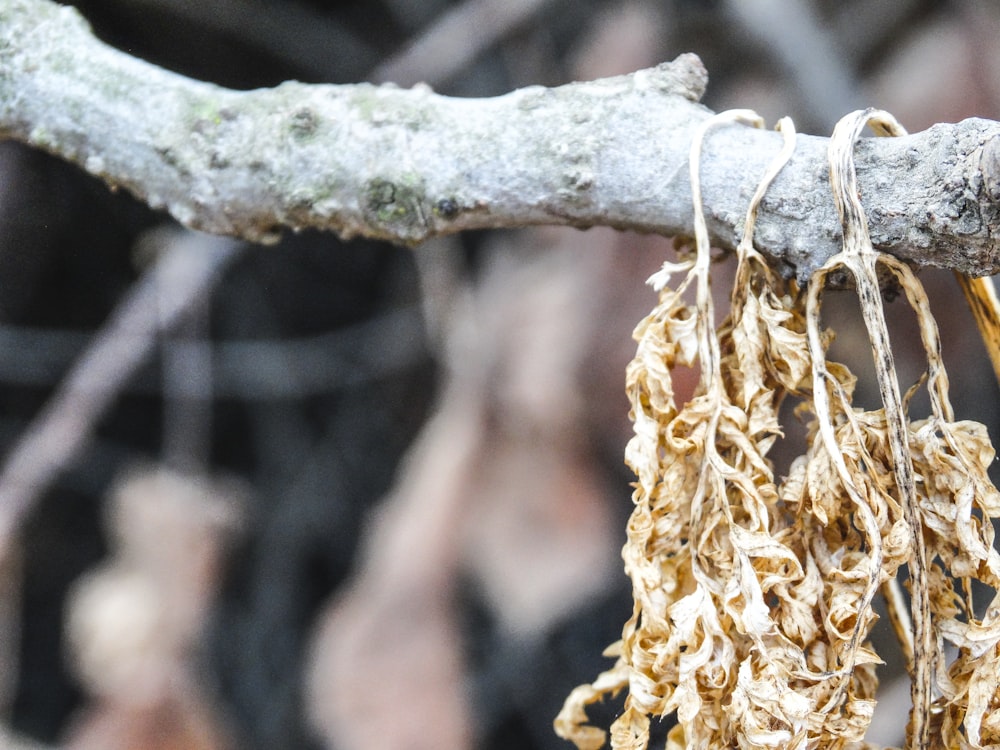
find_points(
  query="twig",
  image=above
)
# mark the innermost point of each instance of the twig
(290, 32)
(407, 165)
(126, 341)
(245, 369)
(454, 40)
(981, 296)
(863, 28)
(799, 42)
(187, 384)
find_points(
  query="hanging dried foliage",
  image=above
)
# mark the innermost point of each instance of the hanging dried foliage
(752, 594)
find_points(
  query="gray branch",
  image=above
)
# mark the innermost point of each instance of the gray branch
(407, 165)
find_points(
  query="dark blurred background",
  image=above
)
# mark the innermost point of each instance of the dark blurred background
(226, 547)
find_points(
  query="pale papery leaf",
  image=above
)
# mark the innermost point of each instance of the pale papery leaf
(661, 279)
(753, 594)
(571, 723)
(630, 731)
(786, 340)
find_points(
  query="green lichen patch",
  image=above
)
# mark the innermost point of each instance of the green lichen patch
(397, 206)
(304, 123)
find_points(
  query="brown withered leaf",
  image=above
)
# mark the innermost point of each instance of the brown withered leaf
(753, 595)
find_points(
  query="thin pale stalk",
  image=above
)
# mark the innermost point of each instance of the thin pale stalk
(860, 258)
(981, 296)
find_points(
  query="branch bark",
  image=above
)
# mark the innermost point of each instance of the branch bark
(407, 165)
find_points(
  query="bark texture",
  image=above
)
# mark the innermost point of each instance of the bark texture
(406, 165)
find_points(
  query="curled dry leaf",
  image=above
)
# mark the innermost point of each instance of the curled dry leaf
(753, 595)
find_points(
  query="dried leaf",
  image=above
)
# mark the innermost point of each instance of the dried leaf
(753, 596)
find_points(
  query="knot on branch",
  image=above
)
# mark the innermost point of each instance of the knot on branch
(685, 75)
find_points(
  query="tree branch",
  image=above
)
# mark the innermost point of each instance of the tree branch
(406, 165)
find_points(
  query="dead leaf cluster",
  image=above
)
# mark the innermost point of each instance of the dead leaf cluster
(753, 594)
(133, 623)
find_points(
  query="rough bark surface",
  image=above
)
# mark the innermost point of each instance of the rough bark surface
(406, 165)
